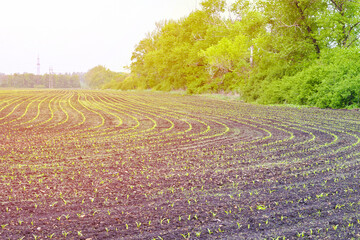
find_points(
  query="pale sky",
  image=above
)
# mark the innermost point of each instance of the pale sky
(76, 35)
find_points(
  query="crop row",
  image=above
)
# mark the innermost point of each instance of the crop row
(81, 164)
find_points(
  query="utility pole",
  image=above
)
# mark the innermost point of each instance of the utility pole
(51, 80)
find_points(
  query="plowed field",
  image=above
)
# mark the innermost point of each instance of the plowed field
(85, 164)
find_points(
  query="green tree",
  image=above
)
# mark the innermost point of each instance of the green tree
(341, 23)
(98, 76)
(270, 51)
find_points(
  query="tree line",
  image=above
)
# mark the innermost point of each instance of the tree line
(269, 51)
(29, 80)
(97, 77)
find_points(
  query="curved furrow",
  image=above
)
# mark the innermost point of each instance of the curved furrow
(172, 114)
(49, 116)
(9, 111)
(149, 165)
(25, 112)
(39, 108)
(61, 115)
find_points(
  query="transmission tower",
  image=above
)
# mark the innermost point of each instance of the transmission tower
(51, 80)
(38, 65)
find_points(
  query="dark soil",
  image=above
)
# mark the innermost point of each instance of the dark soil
(114, 165)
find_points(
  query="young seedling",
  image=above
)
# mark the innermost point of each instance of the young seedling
(261, 207)
(51, 236)
(239, 225)
(187, 236)
(302, 234)
(36, 237)
(65, 233)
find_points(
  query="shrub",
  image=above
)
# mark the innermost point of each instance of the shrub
(330, 81)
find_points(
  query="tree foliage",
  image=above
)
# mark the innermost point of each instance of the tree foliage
(269, 51)
(101, 77)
